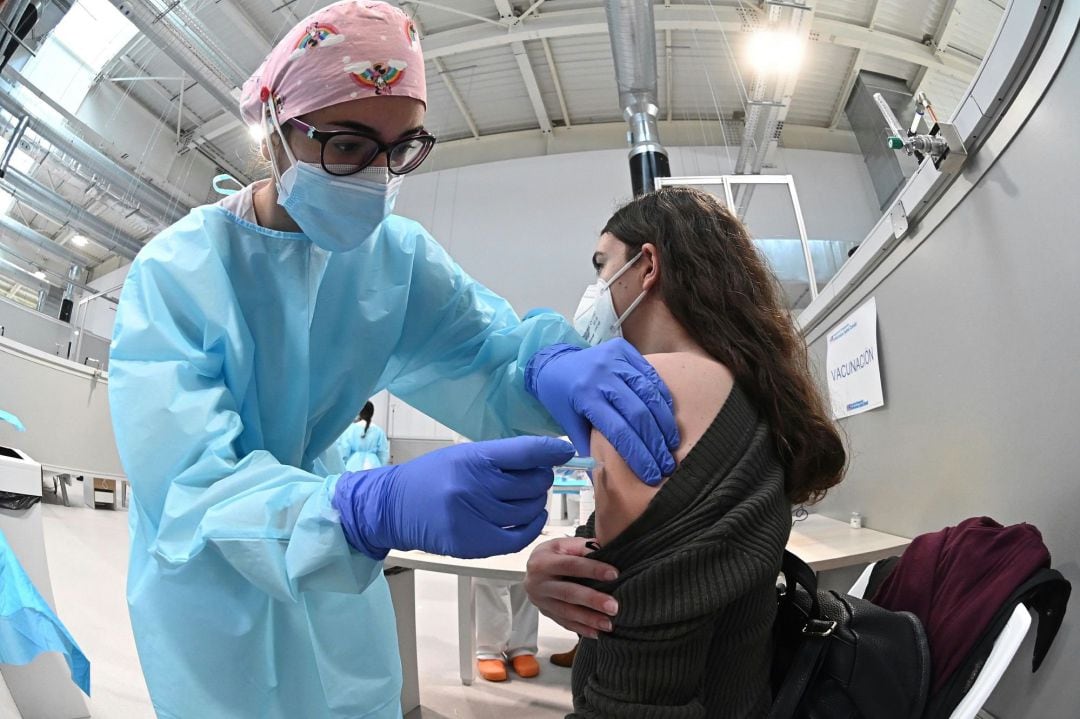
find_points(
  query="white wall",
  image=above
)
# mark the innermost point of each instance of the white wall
(100, 313)
(526, 228)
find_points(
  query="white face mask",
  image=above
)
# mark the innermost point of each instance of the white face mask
(595, 319)
(336, 213)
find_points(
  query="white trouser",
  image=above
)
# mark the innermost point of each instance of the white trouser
(506, 621)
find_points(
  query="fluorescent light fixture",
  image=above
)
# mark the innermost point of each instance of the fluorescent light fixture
(256, 132)
(79, 241)
(40, 275)
(774, 51)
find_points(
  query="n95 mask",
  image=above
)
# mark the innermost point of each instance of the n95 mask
(595, 318)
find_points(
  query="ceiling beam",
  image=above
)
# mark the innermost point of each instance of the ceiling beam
(508, 17)
(940, 42)
(577, 23)
(528, 75)
(506, 11)
(451, 86)
(555, 79)
(612, 136)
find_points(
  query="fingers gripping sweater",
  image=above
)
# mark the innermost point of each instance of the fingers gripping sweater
(696, 587)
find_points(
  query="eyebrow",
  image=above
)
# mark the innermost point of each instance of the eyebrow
(361, 127)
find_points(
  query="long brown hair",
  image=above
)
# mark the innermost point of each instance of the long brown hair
(716, 284)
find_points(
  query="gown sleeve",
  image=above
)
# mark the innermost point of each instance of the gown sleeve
(463, 354)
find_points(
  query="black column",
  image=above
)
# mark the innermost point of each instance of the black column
(645, 167)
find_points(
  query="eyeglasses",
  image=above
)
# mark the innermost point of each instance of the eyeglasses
(347, 152)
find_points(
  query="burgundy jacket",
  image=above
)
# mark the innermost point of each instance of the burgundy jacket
(957, 579)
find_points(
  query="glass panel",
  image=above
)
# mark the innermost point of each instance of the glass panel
(770, 218)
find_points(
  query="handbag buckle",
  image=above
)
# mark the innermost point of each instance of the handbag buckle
(819, 628)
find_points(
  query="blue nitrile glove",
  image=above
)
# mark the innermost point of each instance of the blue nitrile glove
(612, 388)
(469, 500)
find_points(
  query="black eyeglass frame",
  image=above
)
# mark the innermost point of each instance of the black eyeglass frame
(382, 148)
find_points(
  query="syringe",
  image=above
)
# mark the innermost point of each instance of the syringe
(588, 464)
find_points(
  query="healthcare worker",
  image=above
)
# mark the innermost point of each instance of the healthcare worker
(363, 445)
(247, 335)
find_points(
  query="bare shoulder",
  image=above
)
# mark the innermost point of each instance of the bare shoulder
(699, 387)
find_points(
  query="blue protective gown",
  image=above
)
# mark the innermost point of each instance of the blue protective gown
(363, 447)
(239, 355)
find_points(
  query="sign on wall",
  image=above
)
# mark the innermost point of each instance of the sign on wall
(852, 361)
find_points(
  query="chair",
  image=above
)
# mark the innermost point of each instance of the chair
(1005, 647)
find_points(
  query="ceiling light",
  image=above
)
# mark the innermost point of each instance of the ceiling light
(256, 132)
(79, 241)
(40, 275)
(775, 51)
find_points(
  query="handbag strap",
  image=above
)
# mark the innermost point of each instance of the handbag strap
(811, 653)
(797, 572)
(803, 669)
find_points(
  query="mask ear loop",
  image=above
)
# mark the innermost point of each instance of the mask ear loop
(621, 272)
(640, 298)
(273, 126)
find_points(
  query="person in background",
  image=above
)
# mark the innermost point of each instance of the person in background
(363, 446)
(506, 628)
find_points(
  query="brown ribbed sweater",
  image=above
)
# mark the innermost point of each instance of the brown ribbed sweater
(696, 587)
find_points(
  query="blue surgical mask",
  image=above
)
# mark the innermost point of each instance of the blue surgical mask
(336, 213)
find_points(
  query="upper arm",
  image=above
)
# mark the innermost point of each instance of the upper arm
(621, 496)
(699, 386)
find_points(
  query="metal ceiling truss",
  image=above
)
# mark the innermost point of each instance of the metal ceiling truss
(940, 40)
(577, 23)
(767, 111)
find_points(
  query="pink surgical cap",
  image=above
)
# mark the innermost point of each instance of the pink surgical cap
(348, 50)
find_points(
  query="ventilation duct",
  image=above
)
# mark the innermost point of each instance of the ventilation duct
(64, 211)
(633, 46)
(130, 189)
(34, 237)
(184, 40)
(883, 163)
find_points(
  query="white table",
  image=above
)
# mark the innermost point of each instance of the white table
(821, 542)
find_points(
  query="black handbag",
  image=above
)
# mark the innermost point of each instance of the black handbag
(842, 657)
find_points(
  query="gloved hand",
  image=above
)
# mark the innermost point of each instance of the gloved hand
(469, 500)
(612, 388)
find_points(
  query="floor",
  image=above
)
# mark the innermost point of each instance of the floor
(87, 552)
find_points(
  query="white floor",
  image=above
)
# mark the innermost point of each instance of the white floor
(88, 562)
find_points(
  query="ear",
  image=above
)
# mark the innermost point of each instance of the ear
(650, 259)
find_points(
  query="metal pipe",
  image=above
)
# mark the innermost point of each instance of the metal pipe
(166, 32)
(633, 47)
(131, 189)
(63, 210)
(36, 238)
